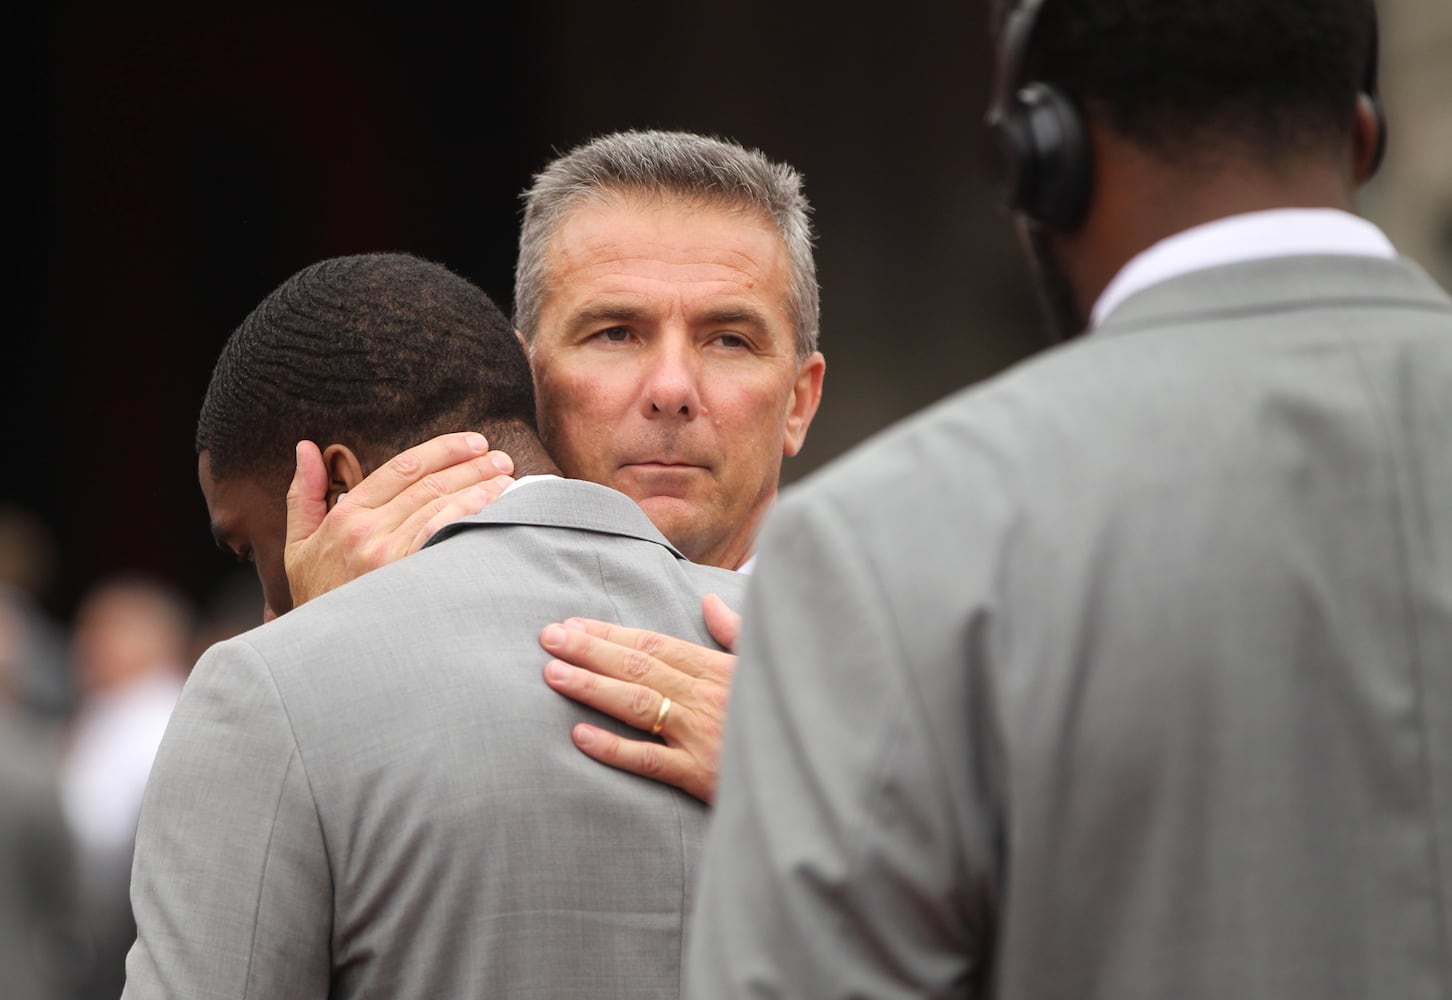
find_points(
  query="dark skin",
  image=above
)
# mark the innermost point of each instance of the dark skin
(1140, 199)
(249, 519)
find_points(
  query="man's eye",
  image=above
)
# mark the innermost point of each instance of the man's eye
(731, 340)
(614, 335)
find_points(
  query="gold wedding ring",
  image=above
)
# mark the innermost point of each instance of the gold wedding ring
(660, 717)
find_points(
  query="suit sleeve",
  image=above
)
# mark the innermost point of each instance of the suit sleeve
(833, 865)
(230, 884)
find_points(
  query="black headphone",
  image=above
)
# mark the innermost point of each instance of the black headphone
(1038, 145)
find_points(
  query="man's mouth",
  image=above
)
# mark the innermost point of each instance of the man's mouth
(661, 463)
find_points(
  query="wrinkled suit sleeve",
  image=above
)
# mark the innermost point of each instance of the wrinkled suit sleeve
(230, 884)
(833, 863)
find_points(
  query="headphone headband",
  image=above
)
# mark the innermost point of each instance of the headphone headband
(1037, 143)
(1018, 26)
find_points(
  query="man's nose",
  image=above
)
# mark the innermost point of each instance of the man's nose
(672, 384)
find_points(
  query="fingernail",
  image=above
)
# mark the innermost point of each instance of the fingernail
(476, 441)
(557, 671)
(501, 462)
(578, 624)
(584, 736)
(552, 636)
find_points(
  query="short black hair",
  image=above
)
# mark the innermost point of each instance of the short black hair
(1180, 77)
(377, 351)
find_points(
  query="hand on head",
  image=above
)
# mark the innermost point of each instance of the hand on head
(391, 513)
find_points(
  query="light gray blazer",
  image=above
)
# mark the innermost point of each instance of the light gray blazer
(376, 795)
(1125, 675)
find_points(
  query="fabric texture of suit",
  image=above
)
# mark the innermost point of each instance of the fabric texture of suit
(376, 794)
(1125, 674)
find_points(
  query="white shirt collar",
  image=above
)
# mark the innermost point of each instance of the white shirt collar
(1281, 232)
(525, 480)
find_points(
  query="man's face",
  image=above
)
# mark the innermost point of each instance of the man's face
(665, 363)
(249, 519)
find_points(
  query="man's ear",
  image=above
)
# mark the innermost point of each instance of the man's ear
(806, 397)
(1367, 141)
(344, 470)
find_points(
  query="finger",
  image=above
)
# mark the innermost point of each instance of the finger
(723, 623)
(611, 659)
(633, 704)
(307, 494)
(643, 757)
(446, 510)
(418, 504)
(408, 468)
(635, 654)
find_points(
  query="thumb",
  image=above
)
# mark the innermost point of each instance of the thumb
(307, 494)
(723, 623)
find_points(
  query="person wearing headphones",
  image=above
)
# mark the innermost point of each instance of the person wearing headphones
(1128, 672)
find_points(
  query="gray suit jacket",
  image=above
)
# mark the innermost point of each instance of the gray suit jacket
(1127, 674)
(376, 795)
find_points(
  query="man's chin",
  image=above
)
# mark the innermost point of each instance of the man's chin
(679, 519)
(665, 508)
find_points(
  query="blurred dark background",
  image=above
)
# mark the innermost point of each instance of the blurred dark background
(177, 164)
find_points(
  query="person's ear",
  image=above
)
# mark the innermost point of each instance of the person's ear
(806, 396)
(344, 471)
(1367, 141)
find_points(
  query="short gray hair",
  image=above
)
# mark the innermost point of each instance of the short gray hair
(674, 164)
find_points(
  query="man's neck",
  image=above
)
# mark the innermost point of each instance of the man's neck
(522, 445)
(1141, 199)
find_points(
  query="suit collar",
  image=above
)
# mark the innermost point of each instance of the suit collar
(564, 503)
(1283, 284)
(1283, 232)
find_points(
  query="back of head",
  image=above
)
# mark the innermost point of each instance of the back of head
(377, 351)
(1190, 80)
(693, 168)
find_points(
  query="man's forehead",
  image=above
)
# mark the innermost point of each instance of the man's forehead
(595, 220)
(610, 259)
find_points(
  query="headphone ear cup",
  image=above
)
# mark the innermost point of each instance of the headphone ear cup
(1009, 148)
(1056, 179)
(1038, 157)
